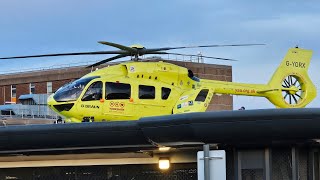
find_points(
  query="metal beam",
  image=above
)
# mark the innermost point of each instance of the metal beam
(237, 164)
(267, 164)
(295, 161)
(206, 157)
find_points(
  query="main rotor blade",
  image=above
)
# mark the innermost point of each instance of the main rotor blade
(119, 46)
(69, 54)
(184, 47)
(108, 60)
(210, 57)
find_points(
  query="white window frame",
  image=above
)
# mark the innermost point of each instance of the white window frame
(32, 86)
(15, 88)
(49, 87)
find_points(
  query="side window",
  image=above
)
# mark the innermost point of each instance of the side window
(147, 92)
(165, 92)
(118, 91)
(202, 95)
(94, 92)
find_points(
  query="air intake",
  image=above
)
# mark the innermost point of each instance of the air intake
(63, 107)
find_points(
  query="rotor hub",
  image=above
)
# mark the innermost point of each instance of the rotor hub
(137, 46)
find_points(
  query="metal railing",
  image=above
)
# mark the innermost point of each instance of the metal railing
(30, 114)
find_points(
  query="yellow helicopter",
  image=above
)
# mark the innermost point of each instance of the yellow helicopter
(135, 89)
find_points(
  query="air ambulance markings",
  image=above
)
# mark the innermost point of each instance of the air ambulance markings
(116, 106)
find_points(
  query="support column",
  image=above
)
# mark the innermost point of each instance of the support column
(311, 164)
(206, 160)
(267, 164)
(237, 164)
(295, 160)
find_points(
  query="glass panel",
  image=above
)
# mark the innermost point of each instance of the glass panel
(147, 92)
(252, 164)
(118, 91)
(94, 92)
(281, 164)
(202, 95)
(71, 91)
(165, 92)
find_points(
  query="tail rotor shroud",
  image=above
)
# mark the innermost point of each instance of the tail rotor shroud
(293, 90)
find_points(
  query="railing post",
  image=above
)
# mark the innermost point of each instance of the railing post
(206, 160)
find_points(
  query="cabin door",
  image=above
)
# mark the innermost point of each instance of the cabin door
(90, 105)
(117, 104)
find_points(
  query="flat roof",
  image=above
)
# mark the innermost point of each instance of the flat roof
(254, 127)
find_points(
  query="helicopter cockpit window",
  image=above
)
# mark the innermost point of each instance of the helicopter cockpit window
(202, 95)
(118, 91)
(71, 91)
(94, 92)
(147, 92)
(165, 92)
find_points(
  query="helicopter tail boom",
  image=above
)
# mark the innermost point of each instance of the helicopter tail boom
(291, 85)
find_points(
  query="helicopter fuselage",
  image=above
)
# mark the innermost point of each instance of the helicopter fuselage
(130, 91)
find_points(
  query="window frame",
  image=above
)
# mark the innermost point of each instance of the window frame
(86, 90)
(154, 96)
(199, 95)
(61, 94)
(15, 89)
(124, 83)
(49, 86)
(162, 93)
(32, 86)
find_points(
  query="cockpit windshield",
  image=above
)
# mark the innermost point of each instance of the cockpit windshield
(71, 91)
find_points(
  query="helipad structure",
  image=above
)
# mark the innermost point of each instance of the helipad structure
(259, 144)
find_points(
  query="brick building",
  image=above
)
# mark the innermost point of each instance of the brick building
(12, 86)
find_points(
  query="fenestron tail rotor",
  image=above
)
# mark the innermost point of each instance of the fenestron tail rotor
(292, 90)
(133, 51)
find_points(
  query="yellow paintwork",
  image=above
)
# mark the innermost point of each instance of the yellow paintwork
(184, 90)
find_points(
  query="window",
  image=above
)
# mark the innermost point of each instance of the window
(49, 87)
(118, 91)
(13, 91)
(147, 92)
(165, 92)
(72, 90)
(32, 88)
(202, 95)
(94, 92)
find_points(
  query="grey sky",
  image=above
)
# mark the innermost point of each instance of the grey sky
(53, 26)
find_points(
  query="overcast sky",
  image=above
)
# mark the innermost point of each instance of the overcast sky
(55, 26)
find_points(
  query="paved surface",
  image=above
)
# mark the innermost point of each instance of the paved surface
(24, 121)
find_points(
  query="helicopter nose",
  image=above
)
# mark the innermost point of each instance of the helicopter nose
(59, 107)
(51, 101)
